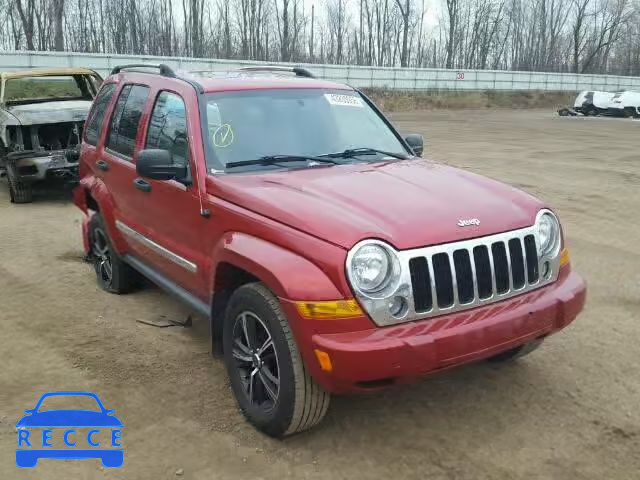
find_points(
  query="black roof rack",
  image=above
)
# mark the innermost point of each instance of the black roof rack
(165, 70)
(299, 71)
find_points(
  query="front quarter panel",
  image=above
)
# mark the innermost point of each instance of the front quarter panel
(286, 273)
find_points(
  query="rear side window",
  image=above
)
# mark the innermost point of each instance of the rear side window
(168, 127)
(97, 114)
(126, 118)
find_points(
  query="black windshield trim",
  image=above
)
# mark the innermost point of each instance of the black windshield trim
(277, 159)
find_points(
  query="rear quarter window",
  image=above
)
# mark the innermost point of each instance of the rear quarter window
(96, 117)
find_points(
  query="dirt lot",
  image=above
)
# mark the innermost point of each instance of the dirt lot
(569, 411)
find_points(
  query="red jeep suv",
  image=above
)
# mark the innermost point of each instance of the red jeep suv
(327, 255)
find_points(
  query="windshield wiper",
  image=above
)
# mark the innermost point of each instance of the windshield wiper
(276, 159)
(354, 152)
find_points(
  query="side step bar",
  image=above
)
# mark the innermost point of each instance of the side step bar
(163, 282)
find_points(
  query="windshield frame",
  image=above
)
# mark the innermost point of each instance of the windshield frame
(215, 167)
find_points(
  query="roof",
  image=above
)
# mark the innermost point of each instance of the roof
(45, 72)
(233, 81)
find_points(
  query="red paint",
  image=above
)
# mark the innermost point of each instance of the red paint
(406, 352)
(292, 230)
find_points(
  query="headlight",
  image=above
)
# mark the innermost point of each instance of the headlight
(548, 234)
(372, 267)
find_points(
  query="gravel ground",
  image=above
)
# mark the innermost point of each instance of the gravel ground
(569, 411)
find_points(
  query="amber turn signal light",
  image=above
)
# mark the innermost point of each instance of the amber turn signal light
(327, 310)
(324, 360)
(564, 257)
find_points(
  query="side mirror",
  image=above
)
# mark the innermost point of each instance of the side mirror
(158, 164)
(416, 143)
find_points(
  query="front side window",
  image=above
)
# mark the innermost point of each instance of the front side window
(249, 125)
(126, 119)
(168, 127)
(98, 112)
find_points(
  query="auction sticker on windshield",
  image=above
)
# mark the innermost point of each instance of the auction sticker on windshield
(343, 100)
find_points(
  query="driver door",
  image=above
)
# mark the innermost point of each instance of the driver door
(173, 221)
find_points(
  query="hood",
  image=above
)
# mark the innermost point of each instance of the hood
(408, 204)
(51, 112)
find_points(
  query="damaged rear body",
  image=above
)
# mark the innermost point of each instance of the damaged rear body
(42, 114)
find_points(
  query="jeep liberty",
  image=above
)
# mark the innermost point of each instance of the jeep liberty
(327, 255)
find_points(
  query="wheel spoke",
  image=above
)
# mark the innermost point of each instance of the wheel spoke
(107, 268)
(245, 330)
(267, 343)
(268, 388)
(241, 353)
(270, 376)
(251, 377)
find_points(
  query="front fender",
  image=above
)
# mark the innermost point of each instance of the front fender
(286, 273)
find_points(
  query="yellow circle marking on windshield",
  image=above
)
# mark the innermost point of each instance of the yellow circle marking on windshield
(223, 136)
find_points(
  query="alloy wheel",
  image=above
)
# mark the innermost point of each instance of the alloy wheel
(102, 253)
(256, 360)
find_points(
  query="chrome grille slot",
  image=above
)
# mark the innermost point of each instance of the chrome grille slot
(532, 258)
(469, 273)
(464, 275)
(500, 267)
(517, 263)
(483, 271)
(444, 279)
(421, 284)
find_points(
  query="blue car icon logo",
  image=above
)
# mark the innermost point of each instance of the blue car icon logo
(104, 429)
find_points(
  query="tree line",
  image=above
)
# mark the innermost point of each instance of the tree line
(581, 36)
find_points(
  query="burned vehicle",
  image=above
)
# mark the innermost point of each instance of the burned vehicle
(42, 113)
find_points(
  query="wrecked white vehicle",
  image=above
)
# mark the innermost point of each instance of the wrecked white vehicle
(625, 104)
(42, 113)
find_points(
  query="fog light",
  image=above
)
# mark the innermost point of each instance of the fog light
(397, 306)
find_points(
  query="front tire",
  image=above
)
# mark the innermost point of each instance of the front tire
(19, 191)
(112, 273)
(271, 384)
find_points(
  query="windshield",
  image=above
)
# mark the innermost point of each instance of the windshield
(249, 125)
(39, 89)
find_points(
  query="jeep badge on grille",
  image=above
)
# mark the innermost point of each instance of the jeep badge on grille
(468, 221)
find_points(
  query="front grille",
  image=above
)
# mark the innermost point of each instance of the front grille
(468, 273)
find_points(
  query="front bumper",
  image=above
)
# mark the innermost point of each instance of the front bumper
(369, 359)
(36, 166)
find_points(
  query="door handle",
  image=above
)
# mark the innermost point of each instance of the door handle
(141, 185)
(102, 165)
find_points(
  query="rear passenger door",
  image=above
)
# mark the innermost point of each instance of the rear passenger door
(116, 164)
